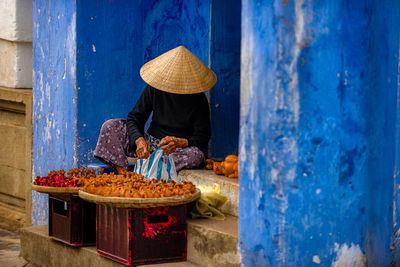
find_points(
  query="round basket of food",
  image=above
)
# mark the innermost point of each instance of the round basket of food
(131, 190)
(63, 182)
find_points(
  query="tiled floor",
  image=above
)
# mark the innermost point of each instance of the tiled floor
(9, 250)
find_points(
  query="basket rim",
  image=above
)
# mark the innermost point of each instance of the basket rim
(128, 202)
(53, 189)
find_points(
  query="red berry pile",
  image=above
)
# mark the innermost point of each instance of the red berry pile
(77, 177)
(56, 181)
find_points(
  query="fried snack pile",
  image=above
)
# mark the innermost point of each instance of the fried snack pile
(134, 185)
(83, 175)
(84, 172)
(74, 178)
(56, 173)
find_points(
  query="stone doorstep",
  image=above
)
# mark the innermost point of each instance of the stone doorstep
(213, 243)
(11, 218)
(229, 187)
(210, 243)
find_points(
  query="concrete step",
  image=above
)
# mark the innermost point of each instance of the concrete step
(229, 187)
(40, 250)
(213, 243)
(210, 243)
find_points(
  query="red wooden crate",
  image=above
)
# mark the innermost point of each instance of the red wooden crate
(142, 236)
(72, 220)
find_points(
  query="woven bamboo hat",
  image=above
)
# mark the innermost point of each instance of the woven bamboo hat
(178, 71)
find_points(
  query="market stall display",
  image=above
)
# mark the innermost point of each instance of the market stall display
(131, 190)
(148, 214)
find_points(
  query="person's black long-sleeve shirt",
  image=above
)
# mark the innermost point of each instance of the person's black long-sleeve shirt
(184, 116)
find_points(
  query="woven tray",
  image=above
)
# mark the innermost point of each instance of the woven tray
(52, 189)
(127, 202)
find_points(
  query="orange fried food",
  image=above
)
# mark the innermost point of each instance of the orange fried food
(209, 164)
(135, 186)
(217, 168)
(230, 166)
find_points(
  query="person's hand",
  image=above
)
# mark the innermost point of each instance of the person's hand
(142, 148)
(170, 143)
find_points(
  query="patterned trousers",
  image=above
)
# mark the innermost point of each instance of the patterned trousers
(113, 147)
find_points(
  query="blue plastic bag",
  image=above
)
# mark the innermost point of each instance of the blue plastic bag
(159, 165)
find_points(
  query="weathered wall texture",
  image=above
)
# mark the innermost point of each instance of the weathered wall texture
(15, 113)
(319, 86)
(54, 92)
(15, 157)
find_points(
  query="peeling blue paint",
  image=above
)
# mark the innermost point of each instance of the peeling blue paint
(54, 92)
(317, 145)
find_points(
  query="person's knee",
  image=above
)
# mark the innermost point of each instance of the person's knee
(197, 156)
(111, 124)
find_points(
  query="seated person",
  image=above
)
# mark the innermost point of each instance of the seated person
(180, 123)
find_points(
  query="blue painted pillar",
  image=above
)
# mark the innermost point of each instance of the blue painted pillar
(54, 92)
(318, 139)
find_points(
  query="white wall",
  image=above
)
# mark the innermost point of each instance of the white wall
(16, 20)
(16, 43)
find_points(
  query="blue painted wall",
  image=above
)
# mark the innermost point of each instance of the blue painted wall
(319, 85)
(108, 60)
(167, 24)
(54, 92)
(225, 61)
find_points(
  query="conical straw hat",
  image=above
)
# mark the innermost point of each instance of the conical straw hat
(178, 71)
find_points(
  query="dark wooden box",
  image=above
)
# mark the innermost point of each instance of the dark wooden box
(142, 236)
(72, 220)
